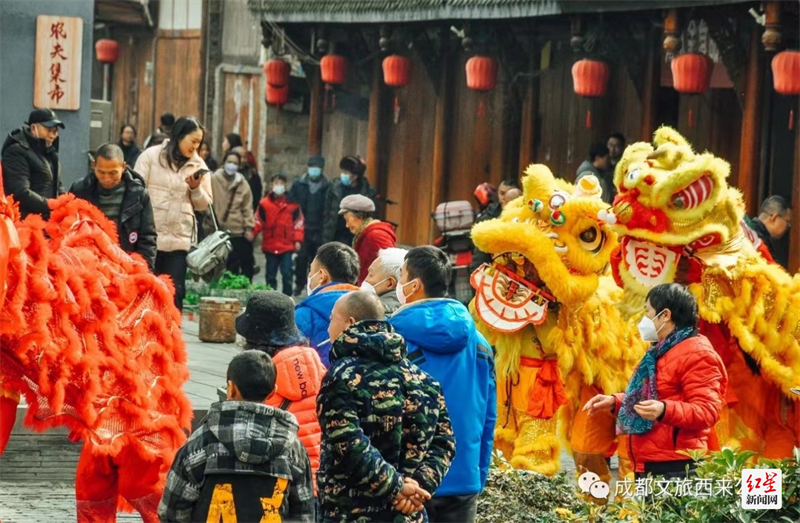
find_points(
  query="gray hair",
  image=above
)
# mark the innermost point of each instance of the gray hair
(774, 205)
(110, 151)
(391, 261)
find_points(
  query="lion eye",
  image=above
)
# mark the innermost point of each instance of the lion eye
(592, 239)
(634, 175)
(556, 201)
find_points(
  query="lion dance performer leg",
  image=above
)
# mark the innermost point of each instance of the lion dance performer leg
(547, 307)
(93, 342)
(678, 220)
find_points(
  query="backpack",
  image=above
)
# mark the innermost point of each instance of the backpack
(208, 259)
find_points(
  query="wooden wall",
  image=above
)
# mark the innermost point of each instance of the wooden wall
(175, 76)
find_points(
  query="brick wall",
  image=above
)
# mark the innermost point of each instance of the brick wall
(286, 144)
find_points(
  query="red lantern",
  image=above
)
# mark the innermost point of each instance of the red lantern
(277, 72)
(277, 95)
(107, 51)
(786, 72)
(691, 73)
(334, 69)
(590, 78)
(481, 73)
(396, 71)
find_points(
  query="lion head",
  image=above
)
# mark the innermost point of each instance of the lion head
(548, 248)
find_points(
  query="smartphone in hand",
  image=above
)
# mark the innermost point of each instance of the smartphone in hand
(200, 172)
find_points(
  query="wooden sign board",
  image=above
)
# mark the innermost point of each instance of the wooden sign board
(59, 49)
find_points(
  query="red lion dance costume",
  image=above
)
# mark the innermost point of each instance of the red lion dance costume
(93, 342)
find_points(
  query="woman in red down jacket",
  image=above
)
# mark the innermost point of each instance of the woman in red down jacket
(280, 222)
(675, 395)
(371, 235)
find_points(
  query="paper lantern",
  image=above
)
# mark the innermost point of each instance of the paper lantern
(334, 69)
(786, 72)
(277, 73)
(107, 51)
(691, 73)
(590, 78)
(396, 70)
(481, 73)
(277, 95)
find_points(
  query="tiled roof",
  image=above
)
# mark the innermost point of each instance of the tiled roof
(376, 11)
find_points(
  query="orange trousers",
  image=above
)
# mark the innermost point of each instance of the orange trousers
(101, 480)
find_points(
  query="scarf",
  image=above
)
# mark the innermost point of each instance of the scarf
(367, 222)
(642, 385)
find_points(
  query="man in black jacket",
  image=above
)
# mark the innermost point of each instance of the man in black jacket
(31, 170)
(121, 195)
(310, 192)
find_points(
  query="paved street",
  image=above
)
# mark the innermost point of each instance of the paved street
(37, 470)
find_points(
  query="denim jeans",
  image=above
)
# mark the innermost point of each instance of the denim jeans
(284, 262)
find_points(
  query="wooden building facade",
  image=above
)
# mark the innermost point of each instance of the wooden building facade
(435, 140)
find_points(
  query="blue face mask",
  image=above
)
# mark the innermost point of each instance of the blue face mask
(345, 178)
(231, 168)
(314, 172)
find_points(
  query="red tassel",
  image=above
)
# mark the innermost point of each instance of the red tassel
(588, 119)
(791, 119)
(691, 118)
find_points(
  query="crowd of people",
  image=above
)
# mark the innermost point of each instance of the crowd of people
(374, 398)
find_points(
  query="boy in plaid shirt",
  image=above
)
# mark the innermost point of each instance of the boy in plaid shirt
(245, 463)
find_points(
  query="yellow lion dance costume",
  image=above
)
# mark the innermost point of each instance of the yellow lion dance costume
(547, 308)
(679, 221)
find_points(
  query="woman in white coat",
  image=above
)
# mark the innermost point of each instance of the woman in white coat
(169, 171)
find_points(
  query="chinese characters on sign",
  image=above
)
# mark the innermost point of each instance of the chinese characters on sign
(759, 488)
(59, 48)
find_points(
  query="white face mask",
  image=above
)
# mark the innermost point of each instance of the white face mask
(309, 290)
(401, 296)
(367, 286)
(279, 190)
(231, 168)
(647, 329)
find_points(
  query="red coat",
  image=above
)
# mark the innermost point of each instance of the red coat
(692, 382)
(299, 379)
(375, 236)
(281, 223)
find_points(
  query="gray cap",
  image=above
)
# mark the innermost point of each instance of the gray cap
(356, 203)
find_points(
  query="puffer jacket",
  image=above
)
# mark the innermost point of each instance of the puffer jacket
(280, 222)
(313, 315)
(233, 203)
(369, 242)
(692, 382)
(135, 226)
(300, 373)
(174, 203)
(31, 171)
(385, 420)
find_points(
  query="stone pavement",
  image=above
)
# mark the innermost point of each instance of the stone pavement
(37, 471)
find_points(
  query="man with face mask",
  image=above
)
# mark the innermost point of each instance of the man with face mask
(233, 206)
(383, 275)
(280, 221)
(443, 341)
(310, 192)
(31, 170)
(352, 180)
